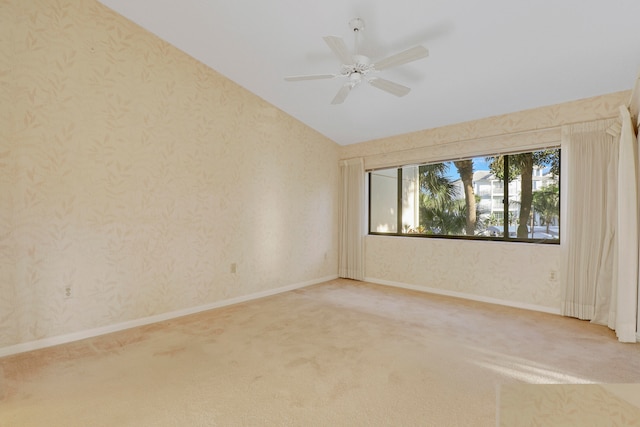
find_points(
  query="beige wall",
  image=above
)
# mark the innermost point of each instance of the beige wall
(515, 273)
(136, 176)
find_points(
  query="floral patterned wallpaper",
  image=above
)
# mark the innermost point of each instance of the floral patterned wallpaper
(136, 176)
(518, 274)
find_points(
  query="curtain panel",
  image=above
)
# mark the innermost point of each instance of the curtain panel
(352, 219)
(600, 249)
(588, 249)
(625, 286)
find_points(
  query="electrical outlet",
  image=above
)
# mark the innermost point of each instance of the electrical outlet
(553, 275)
(68, 292)
(234, 268)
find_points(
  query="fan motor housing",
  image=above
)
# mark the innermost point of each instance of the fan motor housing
(361, 66)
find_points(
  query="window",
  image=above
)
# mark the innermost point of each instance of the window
(383, 203)
(502, 197)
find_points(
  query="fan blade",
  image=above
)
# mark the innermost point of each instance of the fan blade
(336, 44)
(342, 94)
(309, 77)
(389, 86)
(409, 55)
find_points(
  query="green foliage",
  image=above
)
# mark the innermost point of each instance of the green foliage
(447, 219)
(434, 183)
(541, 158)
(442, 210)
(522, 165)
(546, 202)
(549, 158)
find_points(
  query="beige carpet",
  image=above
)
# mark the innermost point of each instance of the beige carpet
(342, 353)
(579, 405)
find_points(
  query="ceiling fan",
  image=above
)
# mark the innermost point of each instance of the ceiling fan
(357, 68)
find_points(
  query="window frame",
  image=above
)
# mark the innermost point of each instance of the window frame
(505, 182)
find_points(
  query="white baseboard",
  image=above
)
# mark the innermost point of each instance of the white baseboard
(90, 333)
(463, 295)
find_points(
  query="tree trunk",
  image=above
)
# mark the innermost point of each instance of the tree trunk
(465, 169)
(526, 194)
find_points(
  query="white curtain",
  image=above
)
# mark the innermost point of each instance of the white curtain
(590, 177)
(600, 248)
(625, 293)
(352, 215)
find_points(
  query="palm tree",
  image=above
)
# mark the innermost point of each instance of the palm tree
(465, 170)
(522, 164)
(546, 203)
(434, 182)
(436, 196)
(449, 219)
(441, 209)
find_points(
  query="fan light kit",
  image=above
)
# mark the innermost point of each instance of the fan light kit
(357, 68)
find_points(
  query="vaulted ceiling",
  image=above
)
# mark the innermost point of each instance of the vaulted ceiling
(485, 58)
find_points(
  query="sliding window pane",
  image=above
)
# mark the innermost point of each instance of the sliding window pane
(534, 197)
(454, 195)
(384, 201)
(410, 200)
(544, 198)
(440, 199)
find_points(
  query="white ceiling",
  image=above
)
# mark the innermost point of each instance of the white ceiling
(485, 57)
